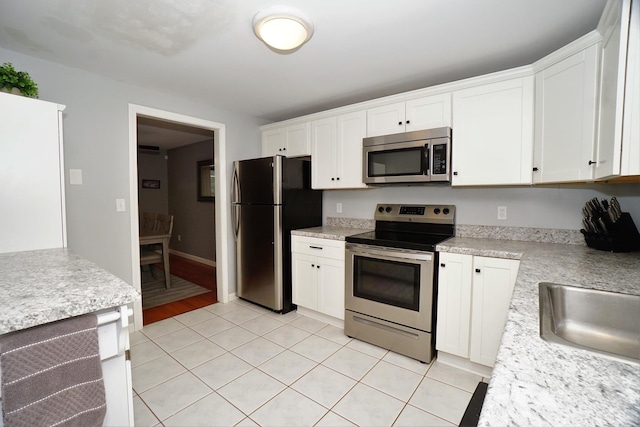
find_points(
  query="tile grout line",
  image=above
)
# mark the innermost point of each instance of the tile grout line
(289, 348)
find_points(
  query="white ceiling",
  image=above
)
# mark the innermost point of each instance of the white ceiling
(205, 50)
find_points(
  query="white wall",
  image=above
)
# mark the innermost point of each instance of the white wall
(96, 140)
(556, 207)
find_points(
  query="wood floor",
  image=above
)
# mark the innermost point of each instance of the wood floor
(195, 272)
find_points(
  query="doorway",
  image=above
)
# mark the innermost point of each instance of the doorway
(147, 116)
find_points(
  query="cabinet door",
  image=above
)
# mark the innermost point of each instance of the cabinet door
(304, 280)
(493, 139)
(386, 119)
(324, 153)
(273, 142)
(297, 140)
(631, 123)
(454, 304)
(428, 113)
(351, 129)
(32, 175)
(331, 287)
(493, 283)
(614, 27)
(566, 95)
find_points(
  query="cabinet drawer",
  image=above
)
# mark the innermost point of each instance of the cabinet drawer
(325, 248)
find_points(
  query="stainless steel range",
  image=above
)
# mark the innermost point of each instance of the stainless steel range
(391, 278)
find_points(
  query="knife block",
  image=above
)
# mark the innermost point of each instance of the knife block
(622, 236)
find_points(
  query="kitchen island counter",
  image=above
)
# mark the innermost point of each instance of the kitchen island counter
(38, 287)
(539, 383)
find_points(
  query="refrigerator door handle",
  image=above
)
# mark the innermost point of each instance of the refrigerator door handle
(236, 220)
(235, 184)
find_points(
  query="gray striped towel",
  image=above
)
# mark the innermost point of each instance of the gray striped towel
(52, 376)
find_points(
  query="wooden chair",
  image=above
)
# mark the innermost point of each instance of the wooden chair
(164, 224)
(152, 254)
(148, 221)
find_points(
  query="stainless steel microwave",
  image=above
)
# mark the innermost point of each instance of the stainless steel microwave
(411, 157)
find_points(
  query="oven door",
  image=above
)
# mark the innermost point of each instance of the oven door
(397, 162)
(391, 284)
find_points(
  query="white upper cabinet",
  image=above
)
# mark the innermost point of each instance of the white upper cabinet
(289, 141)
(416, 114)
(631, 122)
(493, 133)
(565, 119)
(336, 151)
(614, 28)
(32, 175)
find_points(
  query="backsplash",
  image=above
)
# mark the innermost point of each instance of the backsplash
(525, 234)
(369, 224)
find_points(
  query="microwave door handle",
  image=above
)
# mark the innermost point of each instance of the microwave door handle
(426, 159)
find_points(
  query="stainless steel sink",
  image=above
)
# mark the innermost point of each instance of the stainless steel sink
(598, 321)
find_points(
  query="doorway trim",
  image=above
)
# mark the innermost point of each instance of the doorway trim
(221, 206)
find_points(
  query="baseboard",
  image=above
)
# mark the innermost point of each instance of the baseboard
(464, 364)
(339, 323)
(193, 257)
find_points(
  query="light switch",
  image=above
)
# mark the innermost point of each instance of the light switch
(75, 176)
(339, 207)
(120, 206)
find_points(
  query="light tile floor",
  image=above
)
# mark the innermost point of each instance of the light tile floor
(239, 364)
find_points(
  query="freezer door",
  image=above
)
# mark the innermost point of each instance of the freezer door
(257, 181)
(259, 254)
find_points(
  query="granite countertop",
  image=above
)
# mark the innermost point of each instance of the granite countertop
(43, 286)
(539, 383)
(329, 232)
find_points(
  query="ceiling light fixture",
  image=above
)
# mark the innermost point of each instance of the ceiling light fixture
(283, 28)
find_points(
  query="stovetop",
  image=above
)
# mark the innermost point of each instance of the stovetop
(417, 227)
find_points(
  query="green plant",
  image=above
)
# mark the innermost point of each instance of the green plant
(10, 78)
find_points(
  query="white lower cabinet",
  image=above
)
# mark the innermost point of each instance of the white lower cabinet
(474, 294)
(318, 274)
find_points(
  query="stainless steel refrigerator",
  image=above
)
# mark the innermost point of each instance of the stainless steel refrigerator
(270, 197)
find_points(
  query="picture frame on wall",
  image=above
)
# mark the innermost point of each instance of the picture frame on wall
(153, 184)
(206, 180)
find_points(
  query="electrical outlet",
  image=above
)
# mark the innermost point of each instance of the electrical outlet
(339, 207)
(502, 213)
(120, 206)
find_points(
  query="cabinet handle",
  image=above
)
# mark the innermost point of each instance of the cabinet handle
(442, 264)
(313, 265)
(318, 266)
(477, 270)
(535, 169)
(338, 179)
(284, 149)
(408, 121)
(591, 162)
(455, 173)
(400, 123)
(315, 247)
(333, 179)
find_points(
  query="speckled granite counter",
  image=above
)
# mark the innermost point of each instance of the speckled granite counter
(539, 383)
(38, 287)
(329, 232)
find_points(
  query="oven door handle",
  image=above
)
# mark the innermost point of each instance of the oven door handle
(390, 254)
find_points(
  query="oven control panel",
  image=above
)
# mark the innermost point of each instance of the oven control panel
(437, 214)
